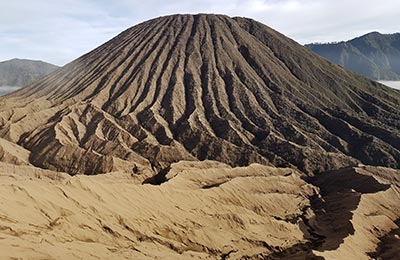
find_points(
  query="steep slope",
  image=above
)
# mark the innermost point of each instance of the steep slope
(196, 87)
(12, 153)
(373, 55)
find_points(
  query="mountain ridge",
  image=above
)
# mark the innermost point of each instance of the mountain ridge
(17, 73)
(373, 55)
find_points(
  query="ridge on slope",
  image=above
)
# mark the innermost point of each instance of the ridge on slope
(18, 73)
(196, 87)
(373, 55)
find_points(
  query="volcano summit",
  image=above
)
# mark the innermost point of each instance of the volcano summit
(197, 87)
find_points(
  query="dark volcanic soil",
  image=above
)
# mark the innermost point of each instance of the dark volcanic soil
(198, 87)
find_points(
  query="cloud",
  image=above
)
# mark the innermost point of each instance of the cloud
(6, 89)
(56, 31)
(60, 31)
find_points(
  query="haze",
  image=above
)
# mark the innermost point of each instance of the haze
(392, 84)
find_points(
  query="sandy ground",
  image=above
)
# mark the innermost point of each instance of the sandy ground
(112, 217)
(203, 211)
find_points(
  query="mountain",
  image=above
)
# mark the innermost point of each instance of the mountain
(374, 55)
(209, 137)
(203, 87)
(17, 73)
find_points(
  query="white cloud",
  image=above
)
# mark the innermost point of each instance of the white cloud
(59, 31)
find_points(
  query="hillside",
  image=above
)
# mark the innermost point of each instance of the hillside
(374, 55)
(203, 87)
(17, 73)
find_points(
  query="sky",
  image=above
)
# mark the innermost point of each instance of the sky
(62, 30)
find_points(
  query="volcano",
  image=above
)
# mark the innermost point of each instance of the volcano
(203, 87)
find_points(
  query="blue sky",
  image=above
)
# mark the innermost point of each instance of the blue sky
(60, 31)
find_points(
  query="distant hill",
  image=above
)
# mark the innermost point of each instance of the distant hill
(373, 55)
(20, 72)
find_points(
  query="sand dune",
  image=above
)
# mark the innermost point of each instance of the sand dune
(202, 211)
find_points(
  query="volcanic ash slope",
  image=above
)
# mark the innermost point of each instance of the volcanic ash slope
(196, 87)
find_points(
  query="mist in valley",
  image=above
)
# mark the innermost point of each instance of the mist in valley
(392, 84)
